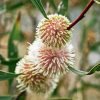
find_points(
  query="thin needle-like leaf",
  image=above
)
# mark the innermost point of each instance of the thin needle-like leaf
(6, 98)
(7, 75)
(63, 7)
(39, 5)
(79, 72)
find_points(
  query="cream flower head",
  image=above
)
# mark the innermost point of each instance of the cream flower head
(53, 31)
(51, 61)
(31, 79)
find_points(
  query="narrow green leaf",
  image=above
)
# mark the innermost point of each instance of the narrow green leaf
(15, 4)
(94, 69)
(8, 62)
(14, 35)
(65, 3)
(59, 99)
(39, 5)
(6, 98)
(53, 4)
(2, 7)
(91, 71)
(16, 31)
(10, 6)
(91, 85)
(75, 90)
(63, 7)
(1, 58)
(96, 47)
(76, 71)
(12, 48)
(21, 96)
(85, 86)
(7, 75)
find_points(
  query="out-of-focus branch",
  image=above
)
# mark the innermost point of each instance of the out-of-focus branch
(82, 15)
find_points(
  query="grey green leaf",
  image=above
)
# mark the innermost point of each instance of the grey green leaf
(79, 72)
(7, 75)
(6, 98)
(63, 7)
(39, 5)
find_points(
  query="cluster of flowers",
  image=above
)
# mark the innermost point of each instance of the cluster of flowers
(48, 56)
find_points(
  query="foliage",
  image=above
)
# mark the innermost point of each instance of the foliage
(7, 75)
(6, 98)
(39, 5)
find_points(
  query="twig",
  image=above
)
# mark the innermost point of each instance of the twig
(82, 15)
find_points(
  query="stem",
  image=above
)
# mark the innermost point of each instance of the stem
(82, 15)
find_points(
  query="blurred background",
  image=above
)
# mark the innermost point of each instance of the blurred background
(18, 21)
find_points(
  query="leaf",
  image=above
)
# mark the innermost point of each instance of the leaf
(76, 71)
(53, 4)
(2, 7)
(63, 7)
(6, 98)
(85, 85)
(12, 48)
(65, 3)
(91, 85)
(21, 96)
(1, 58)
(94, 69)
(79, 72)
(14, 35)
(16, 31)
(7, 75)
(39, 5)
(96, 47)
(8, 62)
(59, 99)
(12, 5)
(15, 4)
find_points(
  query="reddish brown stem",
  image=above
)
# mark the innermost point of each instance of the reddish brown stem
(81, 16)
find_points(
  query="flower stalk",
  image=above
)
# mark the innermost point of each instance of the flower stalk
(82, 15)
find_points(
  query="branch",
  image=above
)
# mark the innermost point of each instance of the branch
(82, 15)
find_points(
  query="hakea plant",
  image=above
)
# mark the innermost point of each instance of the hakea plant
(48, 56)
(31, 79)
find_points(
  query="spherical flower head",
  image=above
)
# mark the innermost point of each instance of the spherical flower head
(30, 79)
(52, 61)
(55, 62)
(53, 31)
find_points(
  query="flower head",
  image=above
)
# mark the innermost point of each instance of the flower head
(52, 61)
(31, 79)
(53, 31)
